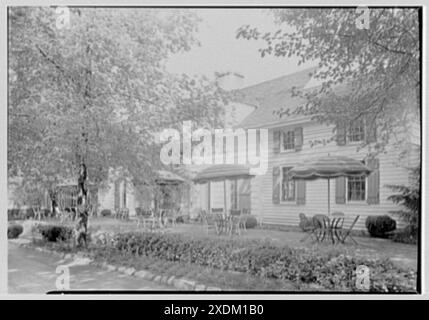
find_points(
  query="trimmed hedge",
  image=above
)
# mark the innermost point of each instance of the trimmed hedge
(14, 230)
(302, 266)
(26, 213)
(13, 214)
(251, 222)
(54, 233)
(106, 213)
(20, 214)
(380, 226)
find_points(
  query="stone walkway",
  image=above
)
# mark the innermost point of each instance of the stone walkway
(31, 271)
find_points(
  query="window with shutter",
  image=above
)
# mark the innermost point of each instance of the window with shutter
(288, 140)
(300, 192)
(356, 131)
(276, 141)
(276, 185)
(356, 188)
(116, 194)
(340, 190)
(125, 195)
(371, 129)
(288, 185)
(341, 134)
(373, 181)
(299, 139)
(234, 194)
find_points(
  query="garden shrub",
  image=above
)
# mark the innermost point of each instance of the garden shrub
(333, 271)
(409, 198)
(380, 226)
(54, 233)
(12, 214)
(106, 213)
(20, 214)
(139, 211)
(14, 230)
(408, 235)
(251, 222)
(27, 213)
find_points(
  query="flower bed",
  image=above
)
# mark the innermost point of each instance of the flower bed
(302, 266)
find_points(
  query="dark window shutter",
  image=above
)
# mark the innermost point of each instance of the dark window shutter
(373, 196)
(340, 190)
(300, 189)
(370, 129)
(276, 141)
(299, 138)
(234, 194)
(276, 185)
(116, 194)
(125, 193)
(341, 133)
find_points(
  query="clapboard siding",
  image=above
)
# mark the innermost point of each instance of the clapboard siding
(392, 171)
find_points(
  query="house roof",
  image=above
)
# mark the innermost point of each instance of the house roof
(270, 96)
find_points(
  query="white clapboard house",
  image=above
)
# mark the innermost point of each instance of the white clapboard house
(275, 199)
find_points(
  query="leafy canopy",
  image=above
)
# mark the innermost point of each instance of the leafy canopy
(371, 73)
(97, 90)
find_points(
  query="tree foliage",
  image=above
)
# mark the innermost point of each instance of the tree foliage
(408, 197)
(371, 73)
(96, 91)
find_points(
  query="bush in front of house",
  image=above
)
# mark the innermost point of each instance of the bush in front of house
(408, 197)
(12, 214)
(139, 211)
(55, 233)
(14, 230)
(250, 221)
(408, 235)
(380, 226)
(302, 266)
(106, 213)
(20, 214)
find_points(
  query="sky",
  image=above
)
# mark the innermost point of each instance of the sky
(220, 51)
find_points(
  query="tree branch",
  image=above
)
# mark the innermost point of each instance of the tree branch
(55, 64)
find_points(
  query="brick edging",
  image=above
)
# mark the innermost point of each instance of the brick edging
(179, 283)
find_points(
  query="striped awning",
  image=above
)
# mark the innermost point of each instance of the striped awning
(222, 172)
(329, 167)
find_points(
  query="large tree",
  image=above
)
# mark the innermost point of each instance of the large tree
(368, 62)
(87, 96)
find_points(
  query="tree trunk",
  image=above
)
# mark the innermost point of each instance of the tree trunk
(54, 201)
(83, 205)
(82, 209)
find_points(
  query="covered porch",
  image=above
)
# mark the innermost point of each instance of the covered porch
(224, 187)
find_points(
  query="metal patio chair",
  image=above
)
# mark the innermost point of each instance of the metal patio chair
(345, 234)
(237, 222)
(211, 222)
(319, 229)
(336, 225)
